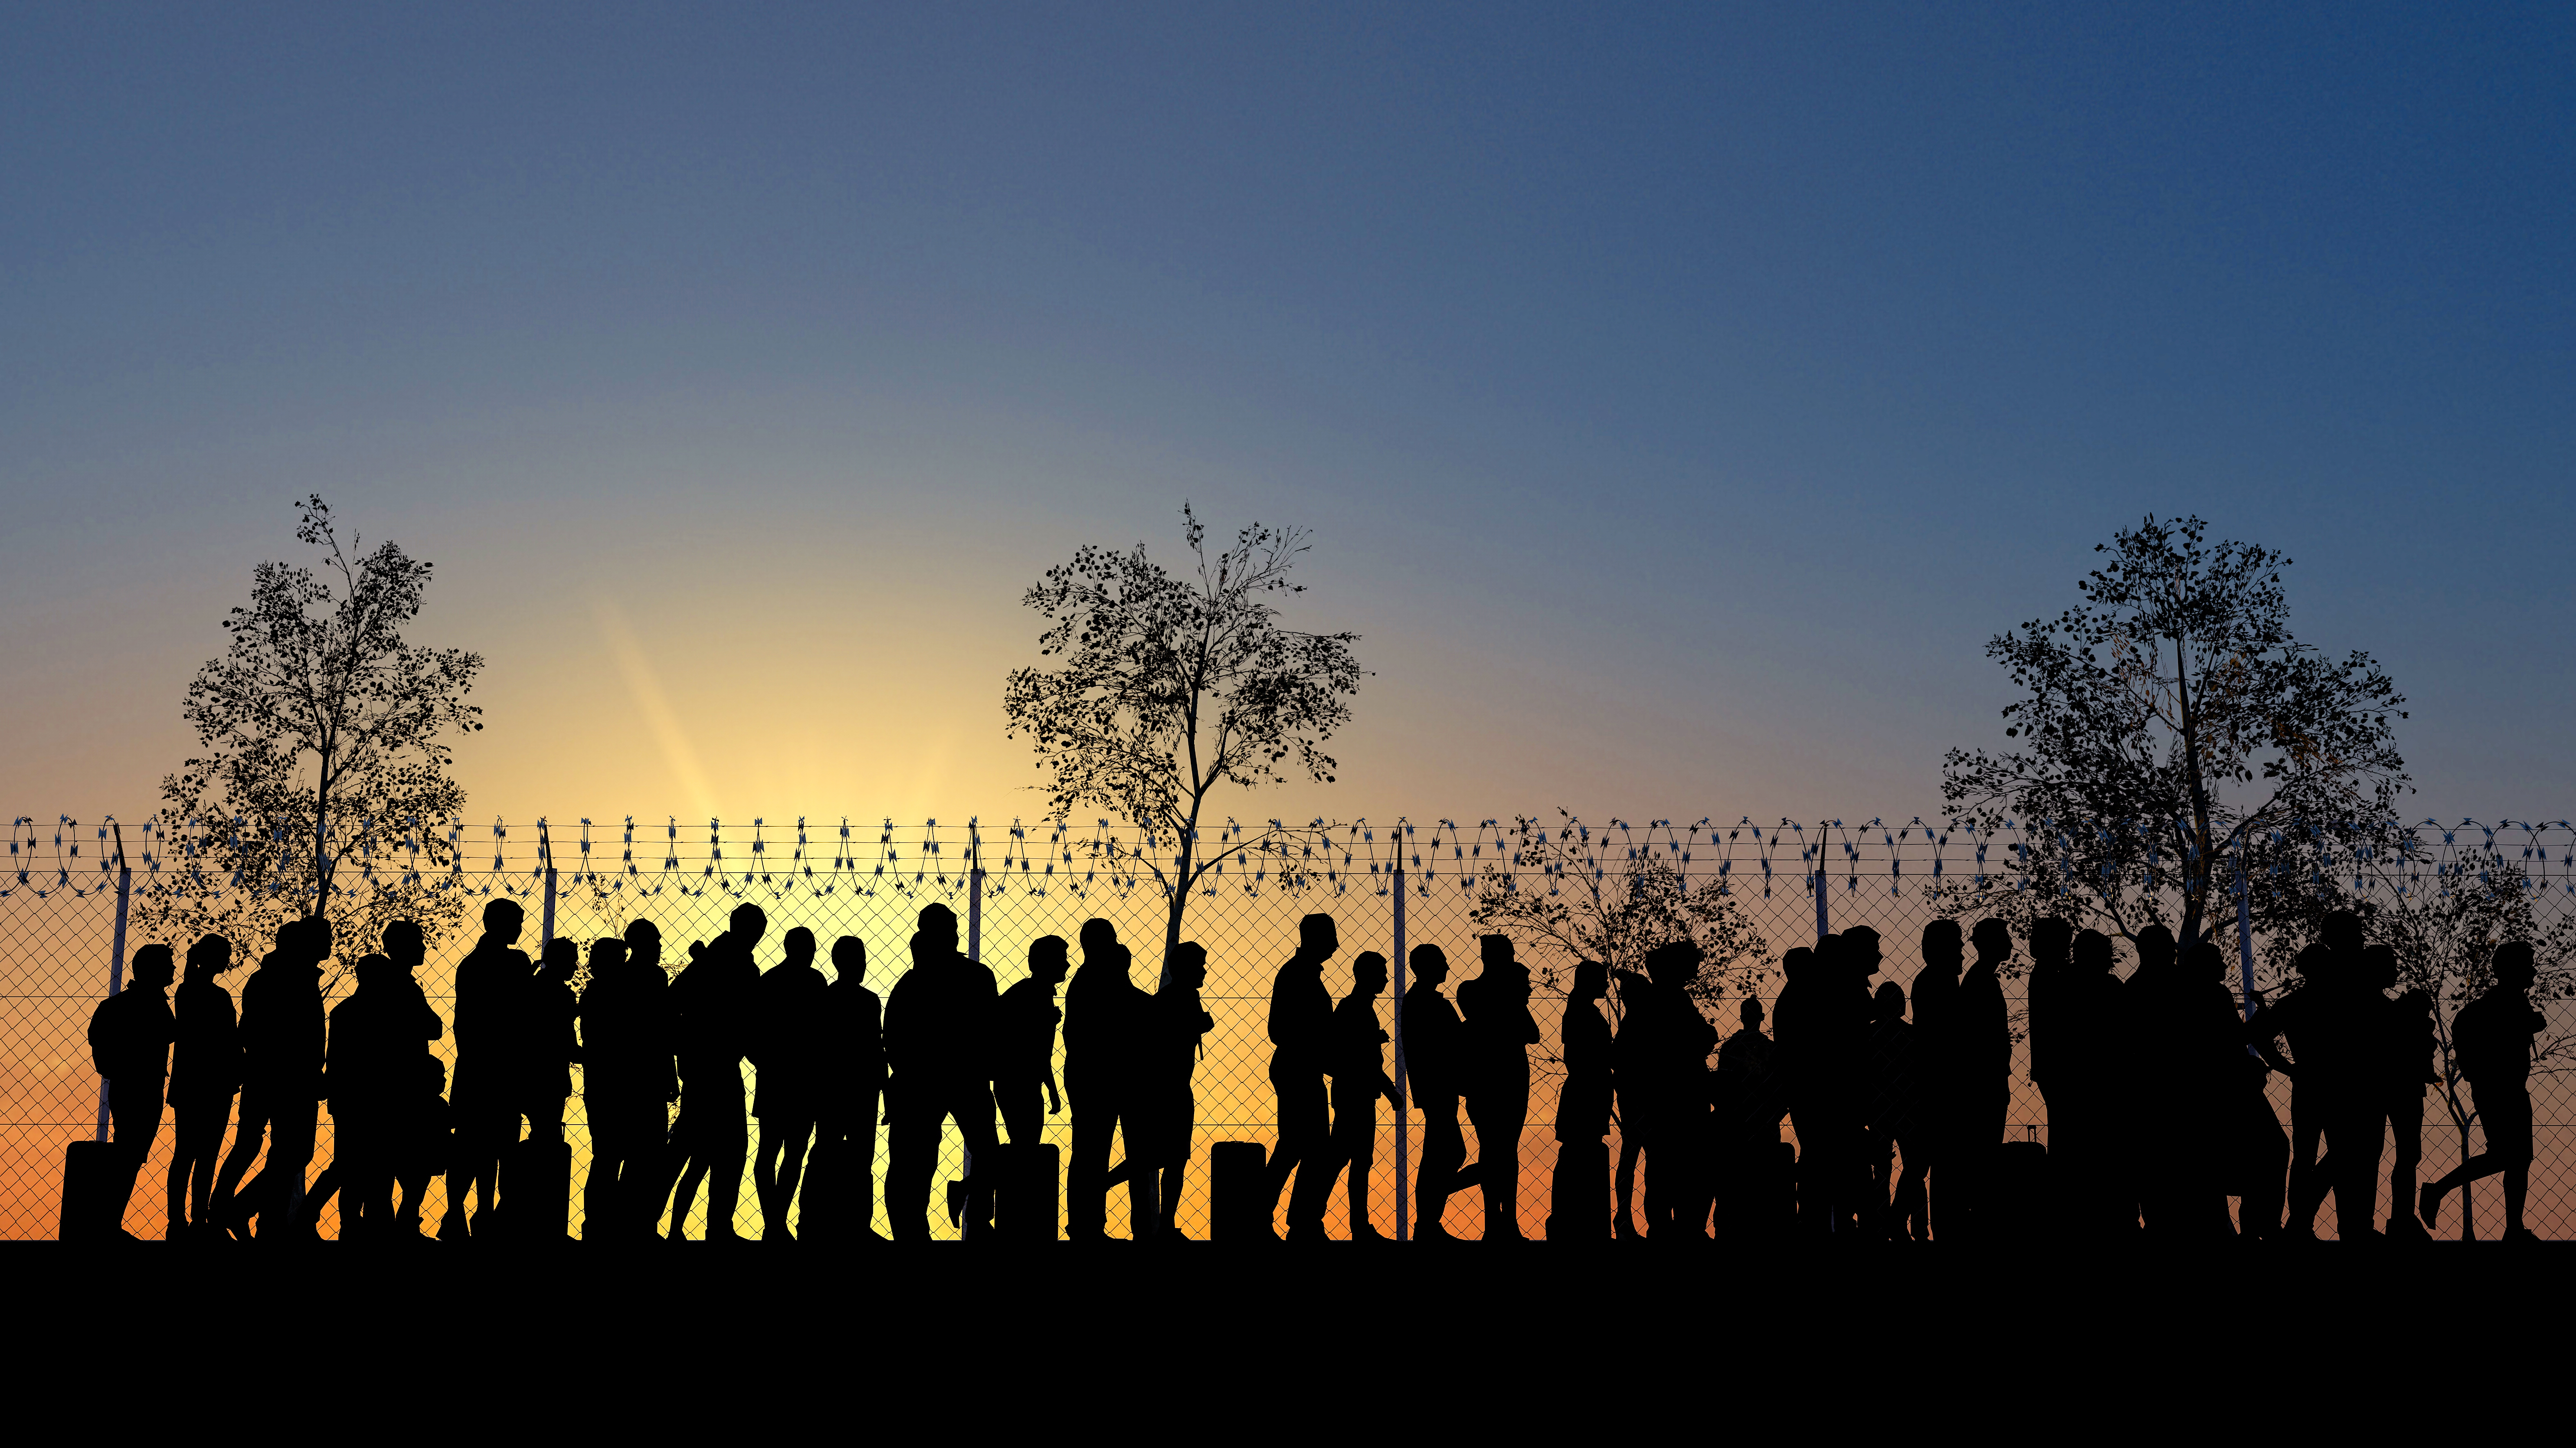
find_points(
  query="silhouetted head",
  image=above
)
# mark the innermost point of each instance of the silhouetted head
(153, 967)
(1368, 975)
(1049, 959)
(211, 956)
(2314, 962)
(1795, 963)
(2208, 961)
(1889, 1003)
(644, 943)
(406, 945)
(939, 929)
(607, 953)
(1942, 950)
(1671, 965)
(1316, 937)
(1495, 951)
(748, 923)
(2341, 932)
(290, 943)
(2093, 954)
(562, 958)
(1860, 951)
(503, 920)
(2051, 938)
(1994, 942)
(1187, 968)
(800, 946)
(1591, 980)
(1119, 959)
(850, 959)
(374, 970)
(919, 946)
(312, 940)
(1430, 965)
(2379, 966)
(2514, 969)
(2155, 948)
(1750, 1013)
(1097, 935)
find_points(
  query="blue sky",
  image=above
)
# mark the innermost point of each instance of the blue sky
(1680, 396)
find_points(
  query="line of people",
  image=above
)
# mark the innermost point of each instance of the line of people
(2154, 1085)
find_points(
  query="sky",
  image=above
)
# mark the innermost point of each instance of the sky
(1679, 397)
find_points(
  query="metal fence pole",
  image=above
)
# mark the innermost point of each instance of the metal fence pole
(2244, 934)
(1403, 1121)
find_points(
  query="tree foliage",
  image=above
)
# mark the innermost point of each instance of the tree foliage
(1616, 911)
(324, 739)
(1168, 686)
(2167, 720)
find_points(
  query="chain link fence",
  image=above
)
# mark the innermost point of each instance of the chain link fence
(67, 898)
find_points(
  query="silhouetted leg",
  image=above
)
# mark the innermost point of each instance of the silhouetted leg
(1086, 1175)
(2307, 1187)
(1577, 1210)
(912, 1158)
(791, 1168)
(2406, 1133)
(1444, 1151)
(1355, 1145)
(972, 1105)
(1305, 1129)
(198, 1129)
(1144, 1134)
(1623, 1185)
(247, 1140)
(2354, 1139)
(1905, 1207)
(726, 1143)
(861, 1166)
(290, 1155)
(1316, 1171)
(1498, 1162)
(611, 1149)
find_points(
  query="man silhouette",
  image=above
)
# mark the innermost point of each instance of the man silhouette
(2491, 1039)
(841, 1192)
(2095, 1134)
(2058, 1065)
(1746, 1120)
(548, 1045)
(1105, 1023)
(2295, 1019)
(1433, 1040)
(626, 1084)
(1358, 1063)
(1582, 1111)
(428, 1146)
(1026, 1064)
(2405, 1056)
(1938, 1047)
(2244, 1148)
(129, 1042)
(1301, 1021)
(938, 1038)
(788, 1045)
(205, 1074)
(1977, 1041)
(285, 1037)
(1664, 1046)
(1499, 1032)
(379, 1037)
(491, 984)
(1177, 1021)
(1897, 1205)
(712, 1003)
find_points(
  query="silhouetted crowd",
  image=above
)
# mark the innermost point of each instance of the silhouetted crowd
(2155, 1089)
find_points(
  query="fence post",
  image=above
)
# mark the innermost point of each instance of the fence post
(546, 853)
(975, 953)
(2244, 932)
(116, 959)
(1403, 1119)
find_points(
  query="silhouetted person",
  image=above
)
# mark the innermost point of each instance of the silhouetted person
(1301, 1020)
(129, 1042)
(285, 1036)
(2336, 1026)
(2247, 1150)
(1499, 1033)
(1983, 1043)
(788, 1047)
(2094, 1068)
(1662, 1062)
(1106, 1020)
(1358, 1063)
(712, 1002)
(2060, 1063)
(1177, 1021)
(429, 1147)
(939, 1040)
(2405, 1058)
(2286, 1021)
(1025, 1065)
(841, 1190)
(627, 1084)
(1895, 1093)
(1807, 1030)
(1745, 1122)
(1583, 1102)
(1434, 1043)
(379, 1037)
(1938, 1047)
(491, 982)
(2491, 1039)
(205, 1074)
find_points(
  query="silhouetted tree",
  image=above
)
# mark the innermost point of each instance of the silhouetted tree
(325, 738)
(1170, 686)
(2165, 719)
